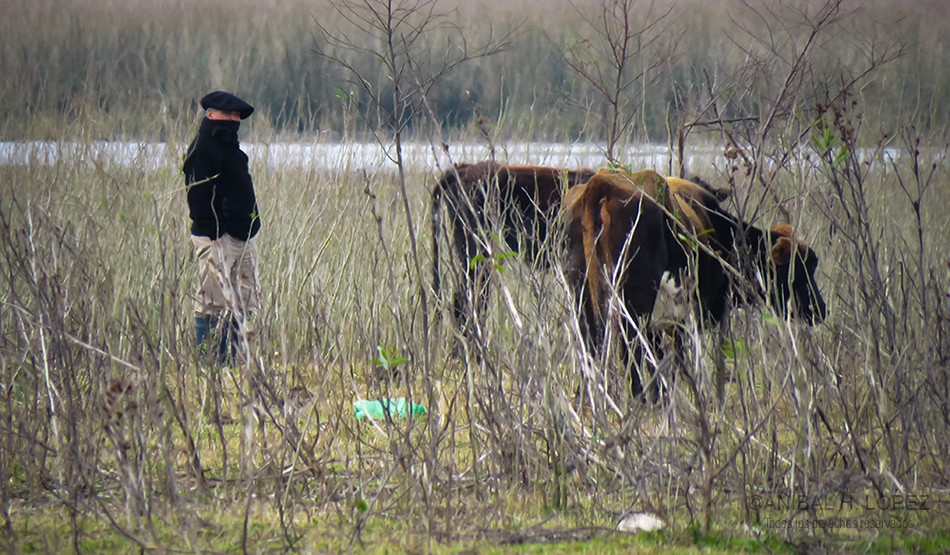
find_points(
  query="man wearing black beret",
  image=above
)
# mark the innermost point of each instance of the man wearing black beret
(224, 222)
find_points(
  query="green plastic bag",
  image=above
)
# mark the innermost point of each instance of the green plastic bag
(377, 408)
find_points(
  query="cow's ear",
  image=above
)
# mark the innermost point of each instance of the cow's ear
(782, 251)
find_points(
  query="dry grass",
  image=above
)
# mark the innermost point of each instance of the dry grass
(107, 394)
(115, 433)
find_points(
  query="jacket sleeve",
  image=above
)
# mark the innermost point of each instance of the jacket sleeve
(239, 203)
(201, 165)
(202, 170)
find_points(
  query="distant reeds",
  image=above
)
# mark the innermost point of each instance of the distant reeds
(130, 70)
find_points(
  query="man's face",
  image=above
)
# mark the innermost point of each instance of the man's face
(214, 113)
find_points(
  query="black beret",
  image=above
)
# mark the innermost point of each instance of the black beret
(220, 100)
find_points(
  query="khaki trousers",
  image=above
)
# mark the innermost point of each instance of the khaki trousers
(227, 279)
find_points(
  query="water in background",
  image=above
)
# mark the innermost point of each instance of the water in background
(368, 157)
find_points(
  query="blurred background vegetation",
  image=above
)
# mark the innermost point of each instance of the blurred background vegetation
(128, 70)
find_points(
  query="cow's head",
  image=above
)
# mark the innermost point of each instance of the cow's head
(792, 285)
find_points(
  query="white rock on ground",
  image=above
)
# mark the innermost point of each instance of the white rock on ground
(640, 522)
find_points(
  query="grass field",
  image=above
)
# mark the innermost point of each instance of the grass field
(116, 435)
(124, 438)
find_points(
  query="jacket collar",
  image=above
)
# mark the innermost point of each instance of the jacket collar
(224, 131)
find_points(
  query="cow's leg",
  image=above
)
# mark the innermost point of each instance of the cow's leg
(722, 332)
(584, 310)
(471, 293)
(634, 359)
(641, 341)
(677, 338)
(462, 314)
(666, 332)
(461, 310)
(471, 298)
(642, 281)
(634, 356)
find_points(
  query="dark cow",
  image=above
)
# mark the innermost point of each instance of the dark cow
(522, 199)
(626, 230)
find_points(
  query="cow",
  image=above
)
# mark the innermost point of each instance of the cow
(523, 199)
(634, 231)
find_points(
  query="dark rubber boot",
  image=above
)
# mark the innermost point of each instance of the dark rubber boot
(203, 326)
(227, 346)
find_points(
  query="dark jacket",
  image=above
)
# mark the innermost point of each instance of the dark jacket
(220, 191)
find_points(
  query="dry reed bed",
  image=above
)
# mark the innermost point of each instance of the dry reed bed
(105, 394)
(111, 69)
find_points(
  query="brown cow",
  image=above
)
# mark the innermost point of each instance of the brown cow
(626, 230)
(523, 199)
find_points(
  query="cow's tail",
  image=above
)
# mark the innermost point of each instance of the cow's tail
(436, 217)
(596, 222)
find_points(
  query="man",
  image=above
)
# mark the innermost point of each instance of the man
(224, 222)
